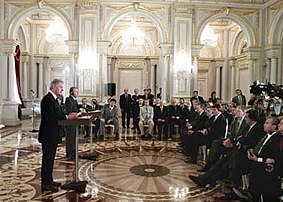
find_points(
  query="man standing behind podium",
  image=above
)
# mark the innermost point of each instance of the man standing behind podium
(71, 105)
(49, 132)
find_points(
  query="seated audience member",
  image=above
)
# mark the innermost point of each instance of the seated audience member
(265, 166)
(259, 107)
(232, 166)
(136, 114)
(96, 120)
(189, 112)
(174, 115)
(194, 137)
(228, 112)
(155, 106)
(84, 105)
(183, 109)
(146, 119)
(199, 98)
(239, 99)
(109, 115)
(161, 116)
(221, 147)
(218, 127)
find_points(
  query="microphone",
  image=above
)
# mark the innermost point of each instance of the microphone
(32, 91)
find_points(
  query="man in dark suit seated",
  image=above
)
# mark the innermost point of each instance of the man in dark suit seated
(232, 166)
(109, 115)
(174, 115)
(223, 146)
(199, 98)
(49, 130)
(161, 117)
(136, 114)
(218, 128)
(96, 121)
(71, 105)
(194, 137)
(85, 107)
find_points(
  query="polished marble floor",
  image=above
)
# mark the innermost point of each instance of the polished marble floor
(125, 171)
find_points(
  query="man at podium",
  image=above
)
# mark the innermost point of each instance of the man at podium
(49, 132)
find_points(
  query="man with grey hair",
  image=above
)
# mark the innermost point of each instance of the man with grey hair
(49, 132)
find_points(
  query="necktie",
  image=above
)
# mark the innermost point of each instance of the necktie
(237, 127)
(259, 146)
(161, 108)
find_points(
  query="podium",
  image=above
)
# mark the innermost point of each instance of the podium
(85, 119)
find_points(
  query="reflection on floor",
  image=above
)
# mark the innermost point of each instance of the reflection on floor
(129, 170)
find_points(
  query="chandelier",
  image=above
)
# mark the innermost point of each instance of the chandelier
(56, 32)
(182, 62)
(208, 36)
(133, 36)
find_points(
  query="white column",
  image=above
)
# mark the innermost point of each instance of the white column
(148, 68)
(10, 103)
(233, 76)
(225, 73)
(273, 70)
(32, 64)
(267, 70)
(40, 79)
(218, 80)
(164, 79)
(250, 71)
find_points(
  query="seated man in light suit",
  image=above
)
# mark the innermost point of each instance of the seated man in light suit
(109, 115)
(146, 119)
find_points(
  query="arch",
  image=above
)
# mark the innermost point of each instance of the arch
(237, 42)
(246, 26)
(140, 11)
(18, 19)
(276, 29)
(22, 39)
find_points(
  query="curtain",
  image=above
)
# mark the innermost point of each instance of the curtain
(17, 57)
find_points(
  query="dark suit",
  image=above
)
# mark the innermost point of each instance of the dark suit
(135, 99)
(49, 135)
(234, 164)
(176, 112)
(86, 107)
(125, 106)
(136, 115)
(199, 99)
(96, 121)
(163, 115)
(238, 102)
(71, 105)
(192, 141)
(263, 182)
(216, 131)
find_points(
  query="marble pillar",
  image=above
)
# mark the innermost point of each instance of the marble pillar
(273, 70)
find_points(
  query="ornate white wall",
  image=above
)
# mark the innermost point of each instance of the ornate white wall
(249, 49)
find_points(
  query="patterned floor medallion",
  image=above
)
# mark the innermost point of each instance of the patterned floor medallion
(142, 177)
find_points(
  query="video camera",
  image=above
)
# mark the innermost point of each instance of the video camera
(272, 90)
